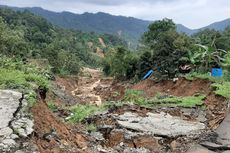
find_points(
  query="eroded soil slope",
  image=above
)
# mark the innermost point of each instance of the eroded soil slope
(124, 128)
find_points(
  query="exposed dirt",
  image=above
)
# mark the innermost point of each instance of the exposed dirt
(66, 138)
(68, 84)
(182, 87)
(217, 106)
(89, 79)
(92, 87)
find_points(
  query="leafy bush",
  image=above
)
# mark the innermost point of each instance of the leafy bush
(190, 101)
(23, 77)
(16, 75)
(222, 89)
(91, 128)
(80, 112)
(120, 63)
(226, 63)
(52, 106)
(203, 76)
(31, 98)
(134, 96)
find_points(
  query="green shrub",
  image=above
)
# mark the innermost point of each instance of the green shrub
(134, 96)
(112, 104)
(91, 128)
(222, 89)
(80, 112)
(190, 101)
(25, 78)
(205, 76)
(31, 98)
(13, 79)
(16, 75)
(52, 106)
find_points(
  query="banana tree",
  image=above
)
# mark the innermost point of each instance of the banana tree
(226, 63)
(208, 56)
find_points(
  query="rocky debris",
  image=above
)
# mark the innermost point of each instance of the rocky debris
(141, 129)
(23, 127)
(15, 121)
(174, 145)
(97, 135)
(224, 132)
(9, 103)
(133, 139)
(160, 124)
(196, 113)
(51, 135)
(119, 149)
(63, 95)
(218, 141)
(136, 150)
(199, 149)
(214, 146)
(87, 94)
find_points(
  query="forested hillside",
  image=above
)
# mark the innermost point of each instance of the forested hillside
(25, 35)
(127, 28)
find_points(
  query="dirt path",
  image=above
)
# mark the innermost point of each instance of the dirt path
(88, 81)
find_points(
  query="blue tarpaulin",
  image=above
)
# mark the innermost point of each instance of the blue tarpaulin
(148, 74)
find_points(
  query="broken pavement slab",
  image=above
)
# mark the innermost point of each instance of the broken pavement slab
(14, 121)
(160, 124)
(9, 103)
(223, 139)
(224, 132)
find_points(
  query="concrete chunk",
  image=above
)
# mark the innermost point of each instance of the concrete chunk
(160, 124)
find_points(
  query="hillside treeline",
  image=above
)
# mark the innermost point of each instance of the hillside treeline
(165, 50)
(27, 36)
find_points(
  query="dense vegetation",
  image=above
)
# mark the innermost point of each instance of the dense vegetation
(26, 78)
(165, 50)
(31, 49)
(26, 36)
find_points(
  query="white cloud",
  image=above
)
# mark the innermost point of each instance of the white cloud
(191, 13)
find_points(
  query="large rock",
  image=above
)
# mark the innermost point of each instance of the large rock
(160, 124)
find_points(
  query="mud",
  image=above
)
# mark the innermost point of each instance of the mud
(66, 138)
(92, 87)
(216, 106)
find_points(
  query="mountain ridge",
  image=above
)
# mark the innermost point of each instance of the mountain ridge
(128, 28)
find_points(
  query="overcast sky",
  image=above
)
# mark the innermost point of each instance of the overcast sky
(191, 13)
